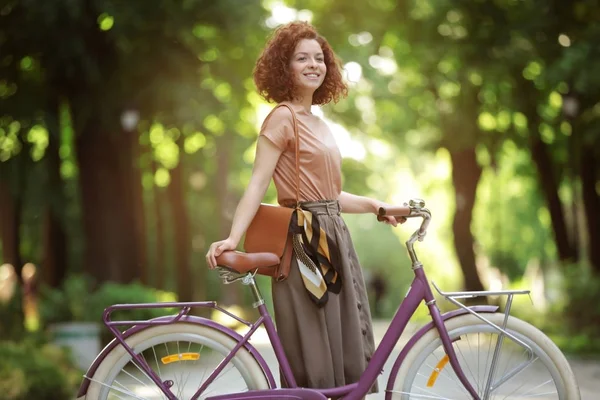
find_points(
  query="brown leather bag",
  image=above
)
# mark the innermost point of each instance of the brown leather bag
(269, 230)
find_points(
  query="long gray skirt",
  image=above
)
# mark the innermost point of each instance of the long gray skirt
(329, 346)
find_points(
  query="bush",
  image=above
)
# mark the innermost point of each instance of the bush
(12, 318)
(573, 321)
(116, 293)
(582, 311)
(36, 371)
(77, 300)
(73, 301)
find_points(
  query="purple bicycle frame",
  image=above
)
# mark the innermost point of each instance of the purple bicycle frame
(418, 291)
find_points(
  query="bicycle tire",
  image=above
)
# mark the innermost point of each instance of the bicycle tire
(419, 370)
(115, 362)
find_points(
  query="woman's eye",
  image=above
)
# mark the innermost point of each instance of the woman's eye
(301, 58)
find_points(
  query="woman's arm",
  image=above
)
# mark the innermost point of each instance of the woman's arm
(353, 204)
(267, 155)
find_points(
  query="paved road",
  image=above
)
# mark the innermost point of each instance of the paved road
(587, 372)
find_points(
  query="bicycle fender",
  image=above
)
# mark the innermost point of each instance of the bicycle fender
(421, 332)
(188, 319)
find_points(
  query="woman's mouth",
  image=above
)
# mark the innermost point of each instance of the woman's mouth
(312, 76)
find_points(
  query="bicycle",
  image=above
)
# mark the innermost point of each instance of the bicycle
(157, 358)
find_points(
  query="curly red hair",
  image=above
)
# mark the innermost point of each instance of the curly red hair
(271, 73)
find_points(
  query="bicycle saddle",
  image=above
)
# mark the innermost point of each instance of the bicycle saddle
(246, 262)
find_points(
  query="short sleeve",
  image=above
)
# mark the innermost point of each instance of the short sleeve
(278, 128)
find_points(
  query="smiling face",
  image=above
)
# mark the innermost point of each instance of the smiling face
(307, 67)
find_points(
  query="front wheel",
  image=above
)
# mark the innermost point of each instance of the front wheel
(543, 373)
(182, 354)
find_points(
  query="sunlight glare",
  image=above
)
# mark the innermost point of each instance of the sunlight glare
(281, 14)
(379, 148)
(564, 40)
(353, 72)
(348, 148)
(385, 65)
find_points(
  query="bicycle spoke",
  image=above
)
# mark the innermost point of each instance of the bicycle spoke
(145, 385)
(157, 364)
(534, 388)
(216, 379)
(424, 390)
(475, 378)
(193, 365)
(467, 364)
(127, 392)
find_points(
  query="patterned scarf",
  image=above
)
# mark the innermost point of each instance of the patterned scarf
(316, 255)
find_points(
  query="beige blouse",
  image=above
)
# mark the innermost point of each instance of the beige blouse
(320, 158)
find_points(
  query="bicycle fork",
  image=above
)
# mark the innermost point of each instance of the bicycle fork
(444, 336)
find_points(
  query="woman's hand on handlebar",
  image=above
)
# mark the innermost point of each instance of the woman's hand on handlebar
(391, 220)
(216, 249)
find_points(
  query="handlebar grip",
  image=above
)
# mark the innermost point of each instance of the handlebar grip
(396, 211)
(398, 219)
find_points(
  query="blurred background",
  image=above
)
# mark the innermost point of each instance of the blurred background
(128, 132)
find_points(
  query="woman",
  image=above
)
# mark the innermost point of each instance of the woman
(328, 341)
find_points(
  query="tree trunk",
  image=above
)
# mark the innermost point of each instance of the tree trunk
(528, 96)
(110, 246)
(176, 192)
(132, 187)
(160, 271)
(10, 222)
(591, 203)
(541, 158)
(54, 268)
(55, 259)
(465, 177)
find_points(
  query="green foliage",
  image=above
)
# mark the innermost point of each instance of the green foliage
(116, 293)
(73, 301)
(582, 310)
(30, 370)
(509, 245)
(12, 325)
(77, 300)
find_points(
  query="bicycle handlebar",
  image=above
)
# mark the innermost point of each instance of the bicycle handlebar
(396, 211)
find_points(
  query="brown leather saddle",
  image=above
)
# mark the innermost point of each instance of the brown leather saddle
(246, 262)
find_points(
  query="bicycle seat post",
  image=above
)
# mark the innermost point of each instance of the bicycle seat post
(250, 281)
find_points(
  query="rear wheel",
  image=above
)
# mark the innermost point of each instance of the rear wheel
(543, 374)
(183, 355)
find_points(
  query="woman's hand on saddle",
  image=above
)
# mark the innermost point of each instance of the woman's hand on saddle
(216, 249)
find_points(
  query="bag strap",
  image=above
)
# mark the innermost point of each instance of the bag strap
(297, 136)
(295, 123)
